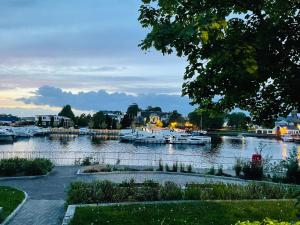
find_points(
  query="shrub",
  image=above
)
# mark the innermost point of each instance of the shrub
(86, 161)
(182, 168)
(24, 167)
(212, 171)
(37, 167)
(167, 168)
(105, 191)
(292, 168)
(160, 166)
(238, 167)
(252, 171)
(220, 171)
(189, 169)
(170, 191)
(149, 191)
(175, 167)
(266, 222)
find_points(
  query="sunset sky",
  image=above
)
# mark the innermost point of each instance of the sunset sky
(84, 53)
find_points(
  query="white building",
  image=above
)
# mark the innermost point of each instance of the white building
(53, 121)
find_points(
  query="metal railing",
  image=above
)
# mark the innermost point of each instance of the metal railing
(128, 158)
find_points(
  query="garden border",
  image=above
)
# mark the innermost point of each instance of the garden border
(162, 172)
(69, 215)
(26, 177)
(13, 214)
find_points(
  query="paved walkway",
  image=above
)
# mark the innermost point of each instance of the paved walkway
(47, 194)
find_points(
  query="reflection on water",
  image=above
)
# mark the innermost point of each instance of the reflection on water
(68, 148)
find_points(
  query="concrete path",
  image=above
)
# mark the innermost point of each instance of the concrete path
(38, 212)
(47, 194)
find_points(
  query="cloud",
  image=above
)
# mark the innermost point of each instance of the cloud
(101, 100)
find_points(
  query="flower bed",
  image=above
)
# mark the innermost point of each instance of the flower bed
(106, 191)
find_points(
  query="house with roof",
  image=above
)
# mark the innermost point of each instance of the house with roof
(288, 125)
(53, 121)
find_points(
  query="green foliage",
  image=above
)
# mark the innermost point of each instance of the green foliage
(267, 222)
(126, 122)
(25, 167)
(245, 53)
(175, 117)
(132, 111)
(86, 161)
(192, 213)
(105, 191)
(221, 191)
(83, 120)
(160, 165)
(67, 112)
(292, 168)
(98, 120)
(175, 167)
(211, 171)
(253, 170)
(209, 119)
(170, 191)
(238, 120)
(189, 168)
(10, 198)
(238, 167)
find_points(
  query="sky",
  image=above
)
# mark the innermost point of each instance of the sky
(84, 53)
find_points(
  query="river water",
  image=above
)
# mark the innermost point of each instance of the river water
(67, 150)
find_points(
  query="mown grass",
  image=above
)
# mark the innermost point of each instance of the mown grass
(195, 213)
(10, 198)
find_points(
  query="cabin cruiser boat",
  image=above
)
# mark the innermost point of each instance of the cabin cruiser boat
(189, 139)
(287, 138)
(6, 135)
(151, 139)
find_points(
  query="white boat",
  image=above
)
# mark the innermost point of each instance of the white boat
(287, 138)
(6, 135)
(188, 139)
(151, 139)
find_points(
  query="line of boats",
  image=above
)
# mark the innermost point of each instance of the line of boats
(9, 134)
(166, 137)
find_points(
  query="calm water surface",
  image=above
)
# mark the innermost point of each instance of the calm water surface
(65, 150)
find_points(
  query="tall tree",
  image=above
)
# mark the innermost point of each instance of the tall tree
(99, 121)
(176, 117)
(205, 119)
(238, 120)
(67, 112)
(244, 52)
(126, 122)
(132, 111)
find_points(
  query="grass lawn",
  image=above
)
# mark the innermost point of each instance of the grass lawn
(10, 198)
(196, 213)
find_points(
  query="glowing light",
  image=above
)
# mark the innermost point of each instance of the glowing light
(173, 125)
(284, 152)
(283, 130)
(188, 124)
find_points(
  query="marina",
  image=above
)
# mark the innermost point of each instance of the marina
(70, 149)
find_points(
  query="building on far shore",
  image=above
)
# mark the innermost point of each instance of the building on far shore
(53, 121)
(288, 125)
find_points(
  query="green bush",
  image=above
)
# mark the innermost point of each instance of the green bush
(292, 168)
(267, 222)
(24, 167)
(252, 190)
(105, 191)
(252, 171)
(238, 167)
(170, 191)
